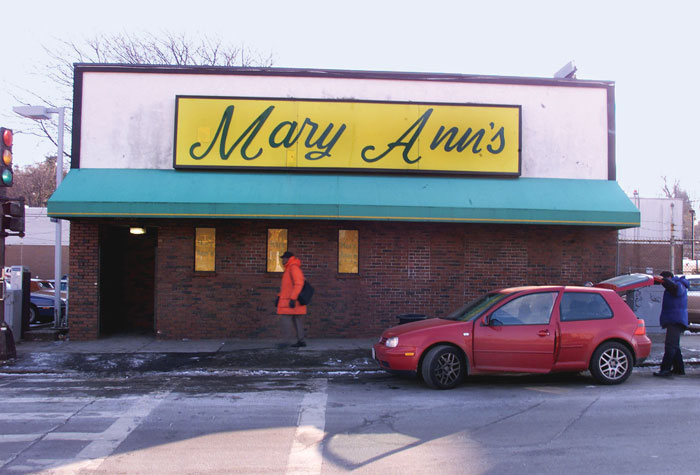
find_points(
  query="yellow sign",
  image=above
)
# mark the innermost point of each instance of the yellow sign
(331, 135)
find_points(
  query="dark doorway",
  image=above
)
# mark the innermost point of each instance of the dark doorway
(127, 280)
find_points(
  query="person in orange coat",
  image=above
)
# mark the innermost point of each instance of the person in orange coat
(289, 309)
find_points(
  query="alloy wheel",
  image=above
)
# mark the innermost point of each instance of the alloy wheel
(613, 363)
(448, 368)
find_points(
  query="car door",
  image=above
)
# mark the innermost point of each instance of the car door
(519, 336)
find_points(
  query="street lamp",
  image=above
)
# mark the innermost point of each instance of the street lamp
(43, 113)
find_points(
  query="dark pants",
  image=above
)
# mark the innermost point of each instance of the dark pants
(673, 360)
(292, 324)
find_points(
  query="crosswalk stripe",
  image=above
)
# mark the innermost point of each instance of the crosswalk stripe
(306, 455)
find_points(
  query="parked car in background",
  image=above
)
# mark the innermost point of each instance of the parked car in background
(41, 305)
(694, 301)
(40, 284)
(538, 329)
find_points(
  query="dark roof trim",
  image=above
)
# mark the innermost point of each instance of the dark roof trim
(334, 73)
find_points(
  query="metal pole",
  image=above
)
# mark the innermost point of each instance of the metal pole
(692, 237)
(58, 251)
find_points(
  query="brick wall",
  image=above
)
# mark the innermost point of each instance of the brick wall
(428, 268)
(83, 296)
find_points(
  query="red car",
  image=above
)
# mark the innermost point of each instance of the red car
(525, 330)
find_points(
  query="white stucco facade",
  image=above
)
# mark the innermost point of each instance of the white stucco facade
(127, 118)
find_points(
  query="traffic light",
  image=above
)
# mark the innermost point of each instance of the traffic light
(13, 216)
(6, 154)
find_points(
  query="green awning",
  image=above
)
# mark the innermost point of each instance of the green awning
(266, 195)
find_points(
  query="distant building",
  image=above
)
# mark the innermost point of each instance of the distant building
(36, 249)
(657, 244)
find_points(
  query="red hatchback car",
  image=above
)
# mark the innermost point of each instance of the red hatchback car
(539, 329)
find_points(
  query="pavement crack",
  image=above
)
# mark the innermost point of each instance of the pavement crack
(509, 416)
(574, 420)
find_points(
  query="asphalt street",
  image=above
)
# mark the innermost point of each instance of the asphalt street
(366, 422)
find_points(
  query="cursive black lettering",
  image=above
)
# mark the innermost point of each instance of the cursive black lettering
(416, 127)
(222, 134)
(500, 135)
(324, 147)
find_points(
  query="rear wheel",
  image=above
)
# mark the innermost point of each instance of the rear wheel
(443, 367)
(611, 363)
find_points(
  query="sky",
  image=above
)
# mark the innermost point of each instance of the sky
(647, 48)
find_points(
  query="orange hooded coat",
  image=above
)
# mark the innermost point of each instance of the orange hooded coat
(292, 283)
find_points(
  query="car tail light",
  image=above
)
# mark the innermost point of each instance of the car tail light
(641, 327)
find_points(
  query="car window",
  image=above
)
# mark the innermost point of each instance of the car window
(576, 306)
(694, 285)
(476, 307)
(530, 309)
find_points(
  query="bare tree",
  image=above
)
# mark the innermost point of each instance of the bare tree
(36, 183)
(166, 48)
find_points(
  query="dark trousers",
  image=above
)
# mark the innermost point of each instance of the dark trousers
(673, 360)
(292, 324)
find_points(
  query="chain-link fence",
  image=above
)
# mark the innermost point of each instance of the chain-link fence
(654, 256)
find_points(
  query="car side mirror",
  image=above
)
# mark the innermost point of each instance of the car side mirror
(484, 322)
(491, 322)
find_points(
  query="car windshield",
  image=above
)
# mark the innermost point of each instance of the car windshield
(475, 308)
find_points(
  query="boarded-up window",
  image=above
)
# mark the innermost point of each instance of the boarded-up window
(276, 246)
(348, 259)
(205, 250)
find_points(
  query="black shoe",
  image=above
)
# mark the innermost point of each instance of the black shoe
(664, 373)
(679, 372)
(299, 344)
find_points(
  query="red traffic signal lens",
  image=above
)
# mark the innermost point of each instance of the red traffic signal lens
(7, 137)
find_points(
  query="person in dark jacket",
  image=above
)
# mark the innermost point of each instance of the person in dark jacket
(288, 307)
(674, 318)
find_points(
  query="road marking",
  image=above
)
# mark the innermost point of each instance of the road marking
(49, 400)
(34, 416)
(306, 456)
(60, 416)
(19, 438)
(72, 435)
(105, 443)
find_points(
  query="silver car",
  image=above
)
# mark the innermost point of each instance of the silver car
(694, 301)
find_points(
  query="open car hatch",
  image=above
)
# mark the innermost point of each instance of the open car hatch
(623, 283)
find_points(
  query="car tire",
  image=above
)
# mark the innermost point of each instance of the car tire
(611, 363)
(443, 367)
(33, 314)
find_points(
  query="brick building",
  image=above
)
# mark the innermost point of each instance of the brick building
(399, 192)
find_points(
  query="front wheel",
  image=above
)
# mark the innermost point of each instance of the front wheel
(33, 314)
(611, 363)
(443, 367)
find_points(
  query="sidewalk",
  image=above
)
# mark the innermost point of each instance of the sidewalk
(143, 354)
